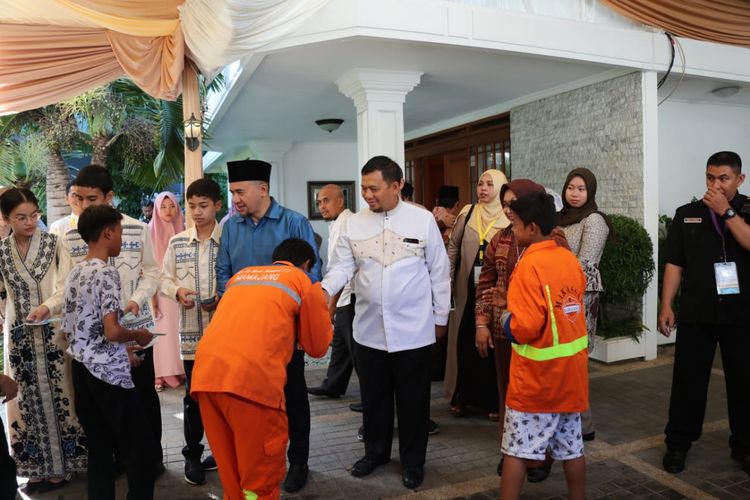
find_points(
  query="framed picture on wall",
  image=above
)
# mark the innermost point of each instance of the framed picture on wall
(314, 187)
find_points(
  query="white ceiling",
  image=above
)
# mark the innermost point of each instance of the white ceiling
(698, 90)
(293, 88)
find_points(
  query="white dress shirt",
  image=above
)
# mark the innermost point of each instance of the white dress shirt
(401, 276)
(334, 232)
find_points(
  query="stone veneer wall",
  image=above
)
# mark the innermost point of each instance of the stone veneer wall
(599, 127)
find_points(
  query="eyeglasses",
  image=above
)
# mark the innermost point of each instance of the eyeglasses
(21, 219)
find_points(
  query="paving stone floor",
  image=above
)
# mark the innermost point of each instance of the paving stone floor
(629, 402)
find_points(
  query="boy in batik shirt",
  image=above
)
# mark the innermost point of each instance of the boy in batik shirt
(107, 403)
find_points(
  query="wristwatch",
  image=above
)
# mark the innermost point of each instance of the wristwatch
(728, 214)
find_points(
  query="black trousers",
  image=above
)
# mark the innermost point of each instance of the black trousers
(693, 360)
(404, 377)
(143, 378)
(192, 421)
(297, 410)
(115, 423)
(8, 483)
(342, 355)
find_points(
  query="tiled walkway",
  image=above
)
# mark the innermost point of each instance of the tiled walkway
(629, 404)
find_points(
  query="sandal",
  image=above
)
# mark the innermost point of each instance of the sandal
(457, 410)
(159, 387)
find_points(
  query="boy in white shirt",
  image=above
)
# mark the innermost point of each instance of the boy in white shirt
(188, 276)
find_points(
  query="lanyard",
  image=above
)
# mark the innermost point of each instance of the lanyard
(722, 234)
(483, 234)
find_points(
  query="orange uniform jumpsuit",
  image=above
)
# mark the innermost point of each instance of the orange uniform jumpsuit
(549, 364)
(240, 372)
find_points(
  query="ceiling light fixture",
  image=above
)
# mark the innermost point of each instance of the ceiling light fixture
(329, 124)
(727, 91)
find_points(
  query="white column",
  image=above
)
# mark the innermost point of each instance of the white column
(379, 97)
(273, 152)
(650, 202)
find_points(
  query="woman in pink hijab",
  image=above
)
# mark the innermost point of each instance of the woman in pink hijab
(166, 222)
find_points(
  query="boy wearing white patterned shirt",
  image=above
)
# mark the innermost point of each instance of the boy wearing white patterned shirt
(188, 275)
(107, 403)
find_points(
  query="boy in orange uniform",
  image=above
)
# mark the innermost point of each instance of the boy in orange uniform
(546, 323)
(239, 379)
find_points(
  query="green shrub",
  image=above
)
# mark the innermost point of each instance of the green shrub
(627, 267)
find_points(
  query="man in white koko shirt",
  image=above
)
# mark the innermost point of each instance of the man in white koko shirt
(395, 253)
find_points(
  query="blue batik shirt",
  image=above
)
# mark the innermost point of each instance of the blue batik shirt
(245, 243)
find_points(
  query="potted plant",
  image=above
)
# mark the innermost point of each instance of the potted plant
(627, 267)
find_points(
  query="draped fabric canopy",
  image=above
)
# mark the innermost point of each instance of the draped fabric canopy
(723, 21)
(54, 49)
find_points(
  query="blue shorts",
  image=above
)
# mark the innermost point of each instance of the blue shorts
(529, 435)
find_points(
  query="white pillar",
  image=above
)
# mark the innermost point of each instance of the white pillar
(379, 97)
(273, 152)
(650, 202)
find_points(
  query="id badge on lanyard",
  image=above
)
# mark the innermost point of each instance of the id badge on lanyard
(727, 279)
(482, 244)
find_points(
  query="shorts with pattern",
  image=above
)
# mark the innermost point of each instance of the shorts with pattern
(529, 435)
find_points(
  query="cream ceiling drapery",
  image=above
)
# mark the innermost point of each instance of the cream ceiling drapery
(723, 21)
(54, 49)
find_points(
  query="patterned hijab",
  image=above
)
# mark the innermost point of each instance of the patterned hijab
(161, 232)
(493, 209)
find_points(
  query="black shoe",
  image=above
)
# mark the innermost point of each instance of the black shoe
(356, 407)
(539, 474)
(743, 459)
(412, 477)
(51, 486)
(674, 461)
(433, 428)
(209, 463)
(361, 433)
(589, 436)
(32, 487)
(322, 391)
(159, 469)
(364, 467)
(296, 478)
(194, 473)
(500, 467)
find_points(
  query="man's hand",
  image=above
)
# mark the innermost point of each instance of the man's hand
(132, 307)
(483, 341)
(142, 337)
(716, 201)
(8, 388)
(135, 359)
(666, 321)
(211, 306)
(39, 314)
(440, 331)
(184, 297)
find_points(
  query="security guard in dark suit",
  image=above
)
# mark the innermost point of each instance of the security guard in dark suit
(708, 255)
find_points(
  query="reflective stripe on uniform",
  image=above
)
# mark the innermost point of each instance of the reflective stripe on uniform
(294, 295)
(249, 495)
(556, 350)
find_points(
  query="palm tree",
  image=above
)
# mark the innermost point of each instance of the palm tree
(31, 150)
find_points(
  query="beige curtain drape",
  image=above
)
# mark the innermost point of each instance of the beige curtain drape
(41, 65)
(723, 21)
(54, 49)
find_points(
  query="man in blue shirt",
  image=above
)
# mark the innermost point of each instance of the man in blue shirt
(248, 239)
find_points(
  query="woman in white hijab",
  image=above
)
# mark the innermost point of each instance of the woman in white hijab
(470, 379)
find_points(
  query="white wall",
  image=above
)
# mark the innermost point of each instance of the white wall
(688, 134)
(317, 161)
